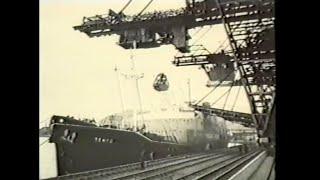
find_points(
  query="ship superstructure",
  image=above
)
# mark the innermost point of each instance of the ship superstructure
(178, 125)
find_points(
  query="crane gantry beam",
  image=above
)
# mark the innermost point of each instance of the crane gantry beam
(150, 30)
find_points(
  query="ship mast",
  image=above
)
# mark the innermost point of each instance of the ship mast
(189, 91)
(121, 98)
(136, 77)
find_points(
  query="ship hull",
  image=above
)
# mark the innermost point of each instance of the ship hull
(83, 148)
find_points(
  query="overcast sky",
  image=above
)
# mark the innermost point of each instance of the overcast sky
(77, 74)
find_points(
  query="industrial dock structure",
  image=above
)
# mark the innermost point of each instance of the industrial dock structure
(200, 151)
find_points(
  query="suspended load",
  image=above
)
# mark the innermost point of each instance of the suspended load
(161, 82)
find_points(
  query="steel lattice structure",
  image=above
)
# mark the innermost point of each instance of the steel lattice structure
(249, 25)
(252, 44)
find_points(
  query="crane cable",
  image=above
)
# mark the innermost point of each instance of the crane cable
(125, 6)
(225, 93)
(225, 101)
(206, 33)
(237, 95)
(194, 34)
(202, 35)
(145, 8)
(222, 44)
(214, 88)
(197, 31)
(199, 38)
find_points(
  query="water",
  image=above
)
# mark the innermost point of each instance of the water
(47, 158)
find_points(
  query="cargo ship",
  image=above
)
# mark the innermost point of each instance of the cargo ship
(83, 145)
(135, 135)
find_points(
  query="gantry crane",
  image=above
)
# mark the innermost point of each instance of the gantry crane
(249, 25)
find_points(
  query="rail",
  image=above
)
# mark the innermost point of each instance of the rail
(221, 169)
(115, 171)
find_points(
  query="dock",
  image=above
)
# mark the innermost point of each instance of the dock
(230, 164)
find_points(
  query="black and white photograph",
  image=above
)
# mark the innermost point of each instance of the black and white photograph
(157, 89)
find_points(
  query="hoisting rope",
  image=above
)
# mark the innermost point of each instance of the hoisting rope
(202, 35)
(199, 38)
(221, 46)
(237, 95)
(197, 31)
(206, 33)
(145, 8)
(214, 88)
(225, 101)
(125, 6)
(201, 48)
(225, 93)
(227, 38)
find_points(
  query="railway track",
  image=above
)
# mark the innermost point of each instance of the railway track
(162, 171)
(119, 169)
(223, 170)
(211, 167)
(108, 173)
(221, 164)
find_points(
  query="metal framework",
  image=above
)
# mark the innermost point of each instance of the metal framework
(242, 118)
(252, 44)
(249, 25)
(253, 50)
(170, 27)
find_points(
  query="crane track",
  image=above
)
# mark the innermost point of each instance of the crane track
(221, 170)
(113, 172)
(162, 171)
